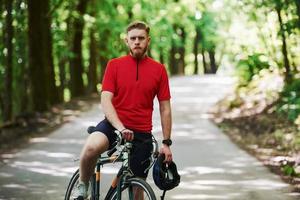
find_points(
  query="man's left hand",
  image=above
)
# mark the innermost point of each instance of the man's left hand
(165, 149)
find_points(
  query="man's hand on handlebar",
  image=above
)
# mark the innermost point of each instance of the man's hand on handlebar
(127, 134)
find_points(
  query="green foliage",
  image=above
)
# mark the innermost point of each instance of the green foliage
(289, 170)
(208, 27)
(109, 19)
(250, 66)
(290, 100)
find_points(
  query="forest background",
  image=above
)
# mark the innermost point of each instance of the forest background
(54, 53)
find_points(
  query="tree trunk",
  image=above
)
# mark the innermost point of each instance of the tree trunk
(205, 69)
(66, 61)
(8, 35)
(102, 56)
(284, 45)
(50, 74)
(297, 2)
(173, 64)
(2, 43)
(37, 55)
(76, 68)
(213, 65)
(92, 68)
(195, 50)
(129, 13)
(22, 76)
(181, 51)
(62, 77)
(1, 6)
(103, 63)
(92, 73)
(161, 56)
(174, 53)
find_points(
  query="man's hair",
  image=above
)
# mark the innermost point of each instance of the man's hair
(138, 25)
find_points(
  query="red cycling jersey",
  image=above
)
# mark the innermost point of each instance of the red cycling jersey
(135, 83)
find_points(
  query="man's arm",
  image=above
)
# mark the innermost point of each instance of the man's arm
(112, 116)
(166, 123)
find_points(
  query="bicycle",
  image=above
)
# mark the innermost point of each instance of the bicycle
(124, 184)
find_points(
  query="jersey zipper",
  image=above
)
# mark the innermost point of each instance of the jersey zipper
(137, 69)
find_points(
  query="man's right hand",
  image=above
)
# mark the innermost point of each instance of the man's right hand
(127, 134)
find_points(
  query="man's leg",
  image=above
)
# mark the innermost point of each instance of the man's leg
(138, 193)
(140, 162)
(95, 144)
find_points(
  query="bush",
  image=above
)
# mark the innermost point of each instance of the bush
(250, 66)
(290, 100)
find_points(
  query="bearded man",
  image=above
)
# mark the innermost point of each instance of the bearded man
(129, 87)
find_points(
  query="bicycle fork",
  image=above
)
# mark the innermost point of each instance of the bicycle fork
(97, 183)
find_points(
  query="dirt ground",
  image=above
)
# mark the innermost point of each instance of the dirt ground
(268, 137)
(15, 134)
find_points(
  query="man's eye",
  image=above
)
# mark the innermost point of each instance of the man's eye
(139, 38)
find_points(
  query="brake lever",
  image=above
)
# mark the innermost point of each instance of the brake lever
(118, 156)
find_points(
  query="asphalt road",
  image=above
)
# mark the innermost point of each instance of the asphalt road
(211, 166)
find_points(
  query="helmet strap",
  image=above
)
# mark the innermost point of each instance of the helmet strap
(162, 197)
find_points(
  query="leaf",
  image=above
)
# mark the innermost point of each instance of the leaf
(289, 170)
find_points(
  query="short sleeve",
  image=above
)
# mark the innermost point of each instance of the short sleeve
(109, 79)
(164, 90)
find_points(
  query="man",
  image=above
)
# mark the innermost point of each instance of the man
(129, 87)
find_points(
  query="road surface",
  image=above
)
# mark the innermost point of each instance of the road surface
(211, 166)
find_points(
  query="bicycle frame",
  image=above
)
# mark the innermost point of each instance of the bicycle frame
(125, 171)
(96, 185)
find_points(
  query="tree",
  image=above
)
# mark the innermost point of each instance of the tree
(195, 50)
(76, 64)
(8, 35)
(50, 74)
(173, 64)
(297, 3)
(38, 53)
(92, 68)
(213, 65)
(21, 98)
(181, 51)
(278, 8)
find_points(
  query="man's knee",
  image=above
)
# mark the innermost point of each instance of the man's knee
(96, 144)
(90, 151)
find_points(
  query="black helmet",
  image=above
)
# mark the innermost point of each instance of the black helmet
(165, 175)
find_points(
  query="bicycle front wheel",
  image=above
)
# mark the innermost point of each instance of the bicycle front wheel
(72, 190)
(135, 189)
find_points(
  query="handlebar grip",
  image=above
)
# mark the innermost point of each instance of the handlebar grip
(91, 129)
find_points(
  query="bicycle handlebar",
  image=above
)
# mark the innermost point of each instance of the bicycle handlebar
(119, 141)
(116, 143)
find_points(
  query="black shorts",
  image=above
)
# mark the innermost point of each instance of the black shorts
(141, 151)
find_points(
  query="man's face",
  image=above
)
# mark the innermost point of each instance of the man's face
(137, 40)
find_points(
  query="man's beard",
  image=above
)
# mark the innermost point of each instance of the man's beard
(140, 53)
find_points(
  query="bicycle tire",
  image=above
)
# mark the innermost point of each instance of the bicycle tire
(72, 192)
(135, 182)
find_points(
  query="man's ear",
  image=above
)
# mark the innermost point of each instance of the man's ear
(126, 41)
